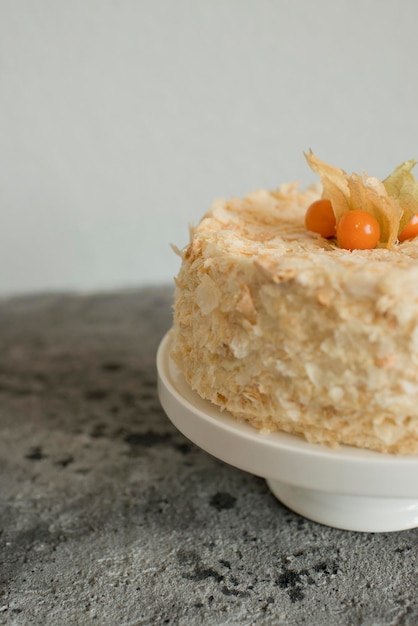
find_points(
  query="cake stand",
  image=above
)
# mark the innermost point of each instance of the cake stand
(346, 488)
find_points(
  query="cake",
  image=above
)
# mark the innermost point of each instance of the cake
(289, 331)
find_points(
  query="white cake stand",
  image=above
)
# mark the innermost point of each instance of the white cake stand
(346, 488)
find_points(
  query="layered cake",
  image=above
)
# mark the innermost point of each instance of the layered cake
(297, 310)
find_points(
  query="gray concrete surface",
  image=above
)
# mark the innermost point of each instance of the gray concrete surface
(110, 516)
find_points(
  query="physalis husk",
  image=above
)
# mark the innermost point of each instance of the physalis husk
(393, 202)
(403, 186)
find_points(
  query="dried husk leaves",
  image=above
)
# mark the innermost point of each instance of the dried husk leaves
(334, 184)
(403, 186)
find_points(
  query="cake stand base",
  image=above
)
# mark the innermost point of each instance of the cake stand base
(357, 513)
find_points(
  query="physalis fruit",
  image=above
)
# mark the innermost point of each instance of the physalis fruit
(358, 230)
(320, 218)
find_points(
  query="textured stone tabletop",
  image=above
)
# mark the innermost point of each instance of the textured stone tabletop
(110, 516)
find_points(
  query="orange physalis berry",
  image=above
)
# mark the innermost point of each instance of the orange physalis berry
(320, 218)
(410, 230)
(358, 230)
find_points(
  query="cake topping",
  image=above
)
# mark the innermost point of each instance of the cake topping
(358, 230)
(410, 230)
(392, 203)
(320, 218)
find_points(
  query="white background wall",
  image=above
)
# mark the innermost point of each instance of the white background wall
(120, 120)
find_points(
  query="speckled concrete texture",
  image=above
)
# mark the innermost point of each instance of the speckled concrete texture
(110, 516)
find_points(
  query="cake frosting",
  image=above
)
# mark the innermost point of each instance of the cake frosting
(287, 331)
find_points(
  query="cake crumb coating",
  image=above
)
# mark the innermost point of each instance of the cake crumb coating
(287, 331)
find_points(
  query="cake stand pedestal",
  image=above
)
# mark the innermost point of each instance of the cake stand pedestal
(346, 488)
(359, 513)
